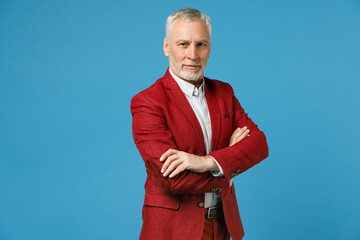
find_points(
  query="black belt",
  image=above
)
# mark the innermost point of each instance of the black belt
(213, 212)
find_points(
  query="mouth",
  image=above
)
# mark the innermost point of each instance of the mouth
(192, 67)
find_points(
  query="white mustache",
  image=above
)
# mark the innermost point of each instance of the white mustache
(193, 64)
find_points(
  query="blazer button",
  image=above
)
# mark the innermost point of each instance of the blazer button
(234, 174)
(201, 204)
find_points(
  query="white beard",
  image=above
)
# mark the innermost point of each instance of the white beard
(188, 75)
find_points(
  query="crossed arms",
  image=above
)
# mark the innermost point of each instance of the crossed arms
(178, 172)
(176, 161)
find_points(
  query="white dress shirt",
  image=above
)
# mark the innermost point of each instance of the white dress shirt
(197, 101)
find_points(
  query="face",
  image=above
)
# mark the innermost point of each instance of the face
(188, 48)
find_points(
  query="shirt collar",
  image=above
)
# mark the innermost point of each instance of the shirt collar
(188, 88)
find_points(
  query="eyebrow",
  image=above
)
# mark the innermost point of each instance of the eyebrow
(182, 40)
(186, 41)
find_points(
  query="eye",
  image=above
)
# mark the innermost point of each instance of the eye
(182, 44)
(201, 44)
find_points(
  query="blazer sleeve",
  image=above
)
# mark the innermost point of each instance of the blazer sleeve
(152, 138)
(247, 152)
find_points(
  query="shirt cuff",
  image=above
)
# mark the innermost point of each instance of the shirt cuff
(219, 173)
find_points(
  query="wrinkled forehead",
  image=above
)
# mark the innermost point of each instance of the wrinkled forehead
(189, 28)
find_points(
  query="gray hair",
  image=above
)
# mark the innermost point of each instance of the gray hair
(187, 14)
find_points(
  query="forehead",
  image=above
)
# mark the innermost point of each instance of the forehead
(189, 29)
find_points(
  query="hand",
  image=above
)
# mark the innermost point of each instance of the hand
(176, 162)
(238, 135)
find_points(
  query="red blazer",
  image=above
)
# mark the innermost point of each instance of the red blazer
(163, 119)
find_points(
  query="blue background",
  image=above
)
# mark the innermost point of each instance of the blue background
(68, 166)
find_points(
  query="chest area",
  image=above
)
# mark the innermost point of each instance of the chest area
(190, 121)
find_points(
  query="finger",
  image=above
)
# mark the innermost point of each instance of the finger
(244, 132)
(238, 129)
(232, 141)
(168, 161)
(178, 170)
(236, 132)
(236, 135)
(240, 133)
(243, 135)
(167, 154)
(171, 167)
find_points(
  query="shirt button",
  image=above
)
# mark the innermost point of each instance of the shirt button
(201, 204)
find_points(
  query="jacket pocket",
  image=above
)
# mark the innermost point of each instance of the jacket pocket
(160, 200)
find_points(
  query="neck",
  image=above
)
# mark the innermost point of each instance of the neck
(196, 83)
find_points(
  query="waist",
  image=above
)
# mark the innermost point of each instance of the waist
(214, 212)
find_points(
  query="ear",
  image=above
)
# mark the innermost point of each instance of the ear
(166, 47)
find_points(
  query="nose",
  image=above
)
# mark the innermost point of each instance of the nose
(192, 52)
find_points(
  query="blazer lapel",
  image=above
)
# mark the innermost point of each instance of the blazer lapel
(179, 97)
(215, 115)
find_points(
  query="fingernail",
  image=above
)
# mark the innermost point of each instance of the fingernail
(162, 171)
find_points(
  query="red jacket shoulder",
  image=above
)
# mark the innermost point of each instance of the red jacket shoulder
(154, 94)
(219, 87)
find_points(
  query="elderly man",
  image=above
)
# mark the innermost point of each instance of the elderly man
(194, 138)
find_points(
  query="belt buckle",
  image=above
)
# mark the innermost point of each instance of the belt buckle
(212, 212)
